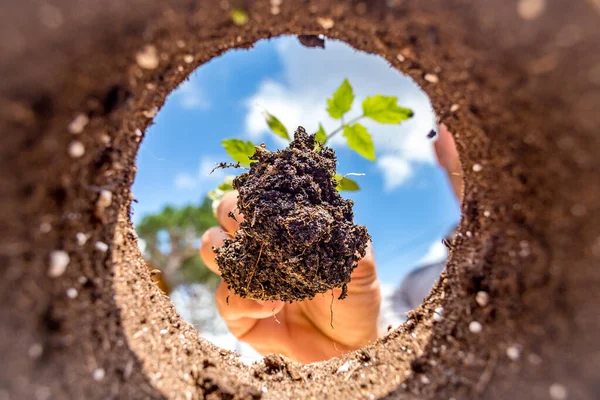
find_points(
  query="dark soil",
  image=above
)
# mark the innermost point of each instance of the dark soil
(298, 237)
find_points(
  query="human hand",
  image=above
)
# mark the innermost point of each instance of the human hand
(301, 330)
(447, 156)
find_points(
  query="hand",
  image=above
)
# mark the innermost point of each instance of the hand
(302, 330)
(447, 156)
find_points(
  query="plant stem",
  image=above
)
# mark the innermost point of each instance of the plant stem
(342, 127)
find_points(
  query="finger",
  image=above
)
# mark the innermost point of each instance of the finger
(445, 150)
(366, 265)
(229, 204)
(213, 237)
(232, 307)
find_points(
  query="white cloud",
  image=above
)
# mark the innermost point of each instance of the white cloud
(437, 252)
(191, 97)
(312, 75)
(203, 179)
(396, 170)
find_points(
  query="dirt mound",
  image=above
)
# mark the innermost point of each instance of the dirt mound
(297, 238)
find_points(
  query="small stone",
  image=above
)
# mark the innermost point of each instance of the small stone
(325, 22)
(264, 389)
(454, 108)
(469, 234)
(424, 380)
(431, 78)
(150, 113)
(477, 167)
(345, 367)
(438, 314)
(45, 227)
(188, 58)
(82, 280)
(78, 124)
(105, 198)
(35, 350)
(81, 238)
(76, 149)
(400, 57)
(72, 293)
(59, 260)
(164, 331)
(147, 58)
(530, 9)
(513, 353)
(275, 10)
(558, 391)
(482, 298)
(180, 43)
(138, 132)
(105, 139)
(475, 327)
(98, 374)
(101, 246)
(487, 214)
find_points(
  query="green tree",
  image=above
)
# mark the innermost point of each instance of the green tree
(172, 242)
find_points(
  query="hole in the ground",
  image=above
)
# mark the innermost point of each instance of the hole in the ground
(406, 197)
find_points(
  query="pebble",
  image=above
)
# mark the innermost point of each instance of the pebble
(150, 113)
(76, 149)
(558, 391)
(81, 238)
(424, 380)
(105, 199)
(345, 367)
(454, 108)
(325, 22)
(147, 58)
(35, 350)
(530, 9)
(101, 246)
(188, 58)
(487, 214)
(431, 78)
(513, 352)
(438, 314)
(59, 260)
(78, 124)
(475, 327)
(477, 167)
(45, 227)
(482, 298)
(72, 293)
(98, 374)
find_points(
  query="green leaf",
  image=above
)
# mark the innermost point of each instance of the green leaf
(384, 109)
(239, 16)
(341, 102)
(346, 184)
(239, 150)
(360, 141)
(321, 136)
(276, 126)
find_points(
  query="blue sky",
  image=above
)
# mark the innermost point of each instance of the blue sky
(405, 200)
